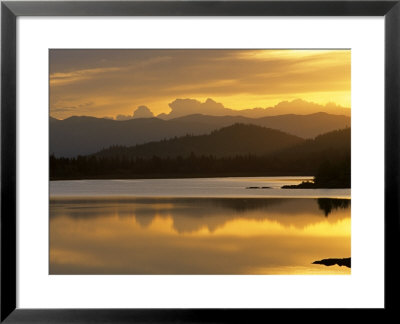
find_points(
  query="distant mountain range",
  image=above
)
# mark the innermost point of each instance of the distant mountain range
(184, 107)
(86, 135)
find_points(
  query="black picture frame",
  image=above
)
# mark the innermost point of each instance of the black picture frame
(10, 10)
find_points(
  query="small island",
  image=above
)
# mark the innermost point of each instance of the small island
(264, 187)
(330, 262)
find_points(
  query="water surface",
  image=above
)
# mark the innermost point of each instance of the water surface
(198, 187)
(178, 235)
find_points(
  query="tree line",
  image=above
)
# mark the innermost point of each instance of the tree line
(92, 167)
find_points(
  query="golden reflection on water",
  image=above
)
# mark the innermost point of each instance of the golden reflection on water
(198, 236)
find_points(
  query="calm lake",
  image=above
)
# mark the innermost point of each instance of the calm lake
(197, 226)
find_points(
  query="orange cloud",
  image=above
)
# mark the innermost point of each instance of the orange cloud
(117, 81)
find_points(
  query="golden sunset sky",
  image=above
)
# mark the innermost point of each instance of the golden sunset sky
(107, 83)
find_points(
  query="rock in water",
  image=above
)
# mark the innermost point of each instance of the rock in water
(340, 262)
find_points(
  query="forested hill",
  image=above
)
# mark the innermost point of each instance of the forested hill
(252, 153)
(238, 139)
(335, 142)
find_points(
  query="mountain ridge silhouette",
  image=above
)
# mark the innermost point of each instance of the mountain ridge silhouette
(83, 135)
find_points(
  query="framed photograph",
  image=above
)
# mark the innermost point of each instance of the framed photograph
(191, 161)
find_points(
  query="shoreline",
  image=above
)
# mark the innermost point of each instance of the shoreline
(188, 176)
(55, 198)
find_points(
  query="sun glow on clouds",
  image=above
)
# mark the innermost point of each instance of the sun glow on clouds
(118, 81)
